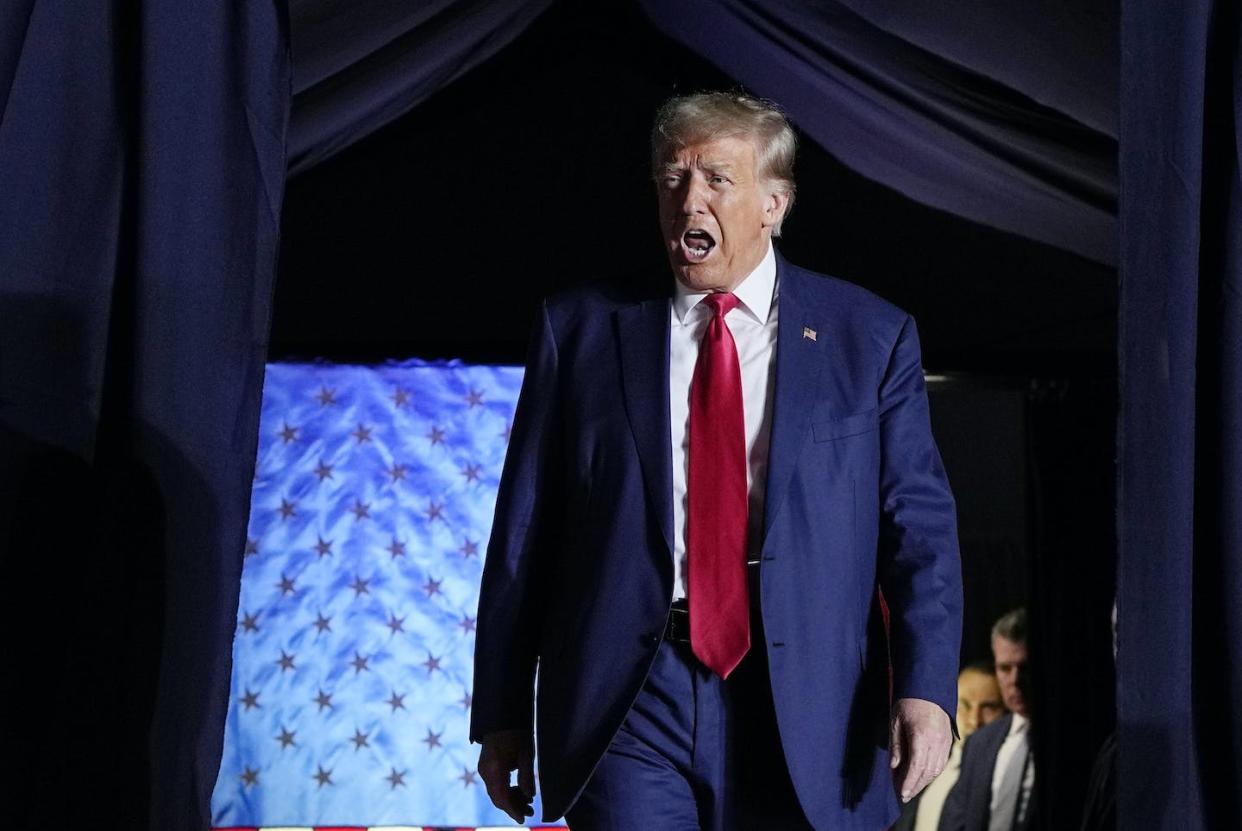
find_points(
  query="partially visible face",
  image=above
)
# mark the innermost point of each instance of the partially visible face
(716, 212)
(978, 701)
(1012, 673)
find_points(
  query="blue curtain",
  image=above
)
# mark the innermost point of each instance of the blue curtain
(1003, 115)
(1179, 521)
(142, 170)
(360, 65)
(1063, 55)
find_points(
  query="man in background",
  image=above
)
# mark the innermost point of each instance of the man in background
(979, 704)
(994, 791)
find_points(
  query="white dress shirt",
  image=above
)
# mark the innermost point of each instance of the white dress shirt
(753, 326)
(1018, 732)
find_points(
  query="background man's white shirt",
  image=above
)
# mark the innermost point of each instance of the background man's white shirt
(1018, 731)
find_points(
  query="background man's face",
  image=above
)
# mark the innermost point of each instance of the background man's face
(978, 701)
(716, 213)
(1011, 672)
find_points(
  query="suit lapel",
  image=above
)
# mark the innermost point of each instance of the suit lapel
(642, 333)
(801, 343)
(998, 738)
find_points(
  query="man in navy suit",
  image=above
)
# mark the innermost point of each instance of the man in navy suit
(996, 787)
(705, 484)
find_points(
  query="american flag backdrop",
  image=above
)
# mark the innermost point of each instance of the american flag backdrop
(352, 663)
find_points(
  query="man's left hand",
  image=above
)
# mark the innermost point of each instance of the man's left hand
(920, 737)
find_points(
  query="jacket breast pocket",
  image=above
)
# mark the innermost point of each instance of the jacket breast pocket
(846, 426)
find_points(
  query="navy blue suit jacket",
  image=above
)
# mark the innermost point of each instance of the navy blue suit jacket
(579, 575)
(968, 807)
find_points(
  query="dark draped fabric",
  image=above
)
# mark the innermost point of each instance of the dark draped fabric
(142, 170)
(1179, 523)
(1063, 55)
(358, 66)
(971, 113)
(1005, 115)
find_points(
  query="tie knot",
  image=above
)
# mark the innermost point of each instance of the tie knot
(721, 304)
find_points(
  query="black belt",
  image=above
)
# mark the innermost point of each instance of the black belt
(677, 629)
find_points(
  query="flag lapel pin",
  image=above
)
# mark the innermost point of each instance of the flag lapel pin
(808, 333)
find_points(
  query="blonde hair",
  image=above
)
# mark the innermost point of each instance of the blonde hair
(708, 116)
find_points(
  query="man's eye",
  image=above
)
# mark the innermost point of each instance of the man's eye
(718, 180)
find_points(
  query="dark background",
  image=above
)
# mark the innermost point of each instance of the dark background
(435, 236)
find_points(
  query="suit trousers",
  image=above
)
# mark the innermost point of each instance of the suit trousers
(694, 752)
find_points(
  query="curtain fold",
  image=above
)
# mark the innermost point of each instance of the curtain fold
(359, 66)
(918, 121)
(1004, 115)
(1061, 55)
(142, 170)
(1179, 521)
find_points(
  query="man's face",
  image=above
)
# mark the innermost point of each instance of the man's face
(978, 701)
(1011, 672)
(716, 212)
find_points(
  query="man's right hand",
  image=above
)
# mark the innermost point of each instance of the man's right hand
(504, 752)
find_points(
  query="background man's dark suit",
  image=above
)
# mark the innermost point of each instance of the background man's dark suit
(579, 576)
(968, 806)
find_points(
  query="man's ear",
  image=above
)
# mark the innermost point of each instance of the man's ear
(775, 205)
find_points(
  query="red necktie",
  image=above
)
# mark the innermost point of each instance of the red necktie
(716, 487)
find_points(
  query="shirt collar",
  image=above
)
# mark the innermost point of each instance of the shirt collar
(755, 291)
(1019, 724)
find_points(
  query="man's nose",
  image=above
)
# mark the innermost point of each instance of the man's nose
(693, 197)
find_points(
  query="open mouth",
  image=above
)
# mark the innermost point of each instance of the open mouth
(697, 244)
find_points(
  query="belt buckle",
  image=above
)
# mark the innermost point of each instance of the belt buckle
(678, 628)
